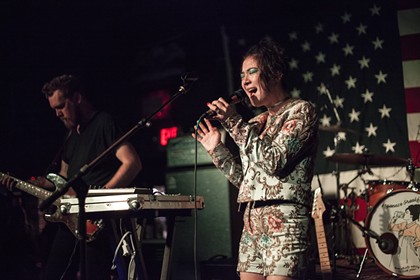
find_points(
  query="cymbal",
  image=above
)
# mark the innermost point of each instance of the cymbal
(336, 128)
(368, 159)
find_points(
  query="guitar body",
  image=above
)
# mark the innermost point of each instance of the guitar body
(54, 214)
(318, 209)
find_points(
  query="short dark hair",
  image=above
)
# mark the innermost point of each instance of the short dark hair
(414, 210)
(270, 58)
(67, 84)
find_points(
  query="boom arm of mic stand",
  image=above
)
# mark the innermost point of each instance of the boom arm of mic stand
(365, 231)
(333, 105)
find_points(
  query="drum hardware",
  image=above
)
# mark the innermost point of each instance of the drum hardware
(411, 168)
(355, 207)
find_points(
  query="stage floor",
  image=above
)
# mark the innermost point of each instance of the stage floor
(371, 271)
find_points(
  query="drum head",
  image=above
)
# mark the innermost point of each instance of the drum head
(397, 215)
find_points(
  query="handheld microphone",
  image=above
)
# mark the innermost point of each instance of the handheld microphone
(237, 97)
(388, 243)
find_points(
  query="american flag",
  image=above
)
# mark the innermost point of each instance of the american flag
(348, 64)
(409, 29)
(345, 57)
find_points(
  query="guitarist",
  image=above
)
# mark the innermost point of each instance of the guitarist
(91, 132)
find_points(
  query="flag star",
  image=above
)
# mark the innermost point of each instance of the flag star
(385, 111)
(358, 149)
(295, 93)
(364, 62)
(354, 115)
(346, 17)
(325, 120)
(319, 28)
(320, 57)
(380, 77)
(335, 70)
(293, 36)
(333, 38)
(293, 64)
(306, 46)
(322, 89)
(371, 130)
(307, 77)
(389, 146)
(338, 102)
(367, 96)
(377, 44)
(328, 152)
(361, 29)
(351, 82)
(348, 50)
(375, 10)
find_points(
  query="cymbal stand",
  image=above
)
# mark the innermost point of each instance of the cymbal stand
(335, 208)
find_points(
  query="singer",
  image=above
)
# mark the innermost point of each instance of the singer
(277, 152)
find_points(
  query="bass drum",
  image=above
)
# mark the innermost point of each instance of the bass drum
(380, 188)
(397, 214)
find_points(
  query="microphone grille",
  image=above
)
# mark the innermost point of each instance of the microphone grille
(239, 95)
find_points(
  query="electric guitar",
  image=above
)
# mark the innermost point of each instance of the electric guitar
(318, 209)
(70, 220)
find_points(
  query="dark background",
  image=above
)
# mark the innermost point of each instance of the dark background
(124, 51)
(131, 55)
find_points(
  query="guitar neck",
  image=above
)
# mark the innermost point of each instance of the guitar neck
(28, 188)
(324, 259)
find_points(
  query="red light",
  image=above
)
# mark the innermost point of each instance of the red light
(167, 133)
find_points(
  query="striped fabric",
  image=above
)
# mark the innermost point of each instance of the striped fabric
(409, 28)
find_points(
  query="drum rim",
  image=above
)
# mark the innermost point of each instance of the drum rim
(387, 182)
(367, 238)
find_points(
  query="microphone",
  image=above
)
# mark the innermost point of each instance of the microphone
(388, 243)
(237, 97)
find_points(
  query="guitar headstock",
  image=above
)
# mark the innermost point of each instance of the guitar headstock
(318, 207)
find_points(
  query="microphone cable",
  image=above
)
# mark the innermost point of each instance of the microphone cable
(195, 197)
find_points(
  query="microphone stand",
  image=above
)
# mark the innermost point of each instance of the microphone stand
(80, 186)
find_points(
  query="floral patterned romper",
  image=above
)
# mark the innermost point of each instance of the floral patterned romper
(274, 175)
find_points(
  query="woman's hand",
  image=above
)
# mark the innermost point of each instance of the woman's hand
(208, 135)
(222, 108)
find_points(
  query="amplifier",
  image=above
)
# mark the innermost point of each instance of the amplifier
(181, 151)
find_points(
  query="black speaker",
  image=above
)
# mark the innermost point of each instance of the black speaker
(216, 228)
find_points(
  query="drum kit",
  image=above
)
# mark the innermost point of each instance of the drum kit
(390, 211)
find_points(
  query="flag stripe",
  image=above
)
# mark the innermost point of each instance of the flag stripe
(415, 149)
(410, 45)
(412, 96)
(411, 72)
(413, 122)
(409, 21)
